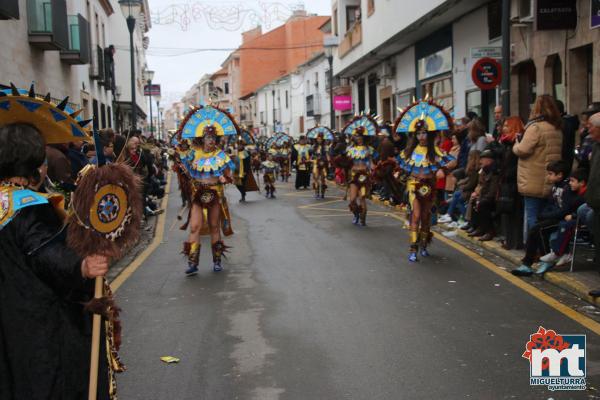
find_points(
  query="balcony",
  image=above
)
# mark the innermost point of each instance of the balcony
(352, 38)
(313, 105)
(9, 9)
(47, 22)
(79, 39)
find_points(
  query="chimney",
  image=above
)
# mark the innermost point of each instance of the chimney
(251, 34)
(299, 13)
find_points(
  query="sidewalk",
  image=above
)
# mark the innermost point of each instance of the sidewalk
(579, 282)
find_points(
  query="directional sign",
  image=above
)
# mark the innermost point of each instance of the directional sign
(486, 73)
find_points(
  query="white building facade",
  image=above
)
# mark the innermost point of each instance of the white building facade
(425, 49)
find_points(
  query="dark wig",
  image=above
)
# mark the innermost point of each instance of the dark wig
(22, 151)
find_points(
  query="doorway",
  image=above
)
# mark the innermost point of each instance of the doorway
(527, 88)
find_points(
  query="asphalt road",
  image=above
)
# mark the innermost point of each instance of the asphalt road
(312, 307)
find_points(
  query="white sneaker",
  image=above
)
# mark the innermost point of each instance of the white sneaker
(463, 224)
(564, 259)
(549, 258)
(453, 225)
(445, 219)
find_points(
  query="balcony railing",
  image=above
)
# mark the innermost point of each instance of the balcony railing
(47, 22)
(352, 38)
(79, 47)
(9, 9)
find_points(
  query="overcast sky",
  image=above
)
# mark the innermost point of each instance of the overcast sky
(187, 26)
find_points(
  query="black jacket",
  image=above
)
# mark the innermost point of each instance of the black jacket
(563, 202)
(592, 196)
(45, 336)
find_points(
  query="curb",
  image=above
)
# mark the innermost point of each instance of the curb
(562, 280)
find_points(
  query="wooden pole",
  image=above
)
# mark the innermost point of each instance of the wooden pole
(95, 355)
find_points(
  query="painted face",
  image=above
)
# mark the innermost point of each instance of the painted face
(210, 140)
(422, 137)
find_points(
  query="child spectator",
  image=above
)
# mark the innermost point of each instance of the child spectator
(566, 228)
(560, 205)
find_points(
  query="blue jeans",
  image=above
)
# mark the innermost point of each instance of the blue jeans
(585, 214)
(533, 206)
(457, 203)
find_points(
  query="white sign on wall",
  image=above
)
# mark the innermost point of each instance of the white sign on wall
(485, 52)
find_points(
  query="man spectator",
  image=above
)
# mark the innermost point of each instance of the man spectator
(592, 195)
(570, 125)
(498, 122)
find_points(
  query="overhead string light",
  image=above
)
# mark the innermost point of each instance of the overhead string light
(229, 16)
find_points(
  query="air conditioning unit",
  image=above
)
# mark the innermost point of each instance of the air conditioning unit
(388, 70)
(526, 11)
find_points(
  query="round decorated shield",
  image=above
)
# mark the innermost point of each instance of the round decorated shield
(362, 125)
(434, 115)
(108, 213)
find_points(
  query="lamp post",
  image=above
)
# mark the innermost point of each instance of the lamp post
(149, 75)
(130, 9)
(157, 98)
(329, 43)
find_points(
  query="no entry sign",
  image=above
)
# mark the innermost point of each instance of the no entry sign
(487, 73)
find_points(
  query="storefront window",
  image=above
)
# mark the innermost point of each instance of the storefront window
(440, 90)
(474, 102)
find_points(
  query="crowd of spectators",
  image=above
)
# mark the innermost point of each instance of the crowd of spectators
(147, 157)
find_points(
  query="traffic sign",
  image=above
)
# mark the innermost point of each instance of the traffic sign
(486, 73)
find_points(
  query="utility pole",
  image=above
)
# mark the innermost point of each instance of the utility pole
(505, 93)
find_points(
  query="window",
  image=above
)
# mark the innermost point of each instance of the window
(287, 105)
(494, 17)
(95, 113)
(403, 99)
(352, 15)
(317, 80)
(109, 116)
(473, 99)
(334, 21)
(370, 7)
(262, 117)
(307, 87)
(361, 95)
(440, 90)
(226, 87)
(590, 72)
(373, 94)
(558, 89)
(103, 115)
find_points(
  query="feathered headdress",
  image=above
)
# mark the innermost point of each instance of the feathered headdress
(424, 114)
(363, 124)
(320, 130)
(203, 119)
(56, 122)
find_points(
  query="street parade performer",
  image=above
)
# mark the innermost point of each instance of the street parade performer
(244, 179)
(47, 284)
(360, 129)
(320, 158)
(209, 169)
(270, 168)
(301, 158)
(422, 162)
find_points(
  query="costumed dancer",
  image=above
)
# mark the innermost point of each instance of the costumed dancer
(244, 179)
(209, 169)
(46, 284)
(285, 161)
(270, 168)
(301, 159)
(360, 128)
(321, 159)
(422, 162)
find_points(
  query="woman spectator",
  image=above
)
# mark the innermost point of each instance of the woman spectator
(477, 136)
(510, 203)
(540, 144)
(450, 178)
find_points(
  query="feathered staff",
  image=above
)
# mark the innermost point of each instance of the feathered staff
(106, 214)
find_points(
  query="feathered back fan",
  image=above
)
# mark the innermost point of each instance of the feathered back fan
(320, 130)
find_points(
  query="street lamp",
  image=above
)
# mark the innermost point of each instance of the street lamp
(329, 43)
(148, 76)
(157, 98)
(130, 9)
(161, 122)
